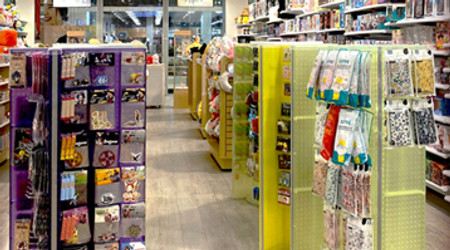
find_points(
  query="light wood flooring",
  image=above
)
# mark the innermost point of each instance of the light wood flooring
(188, 197)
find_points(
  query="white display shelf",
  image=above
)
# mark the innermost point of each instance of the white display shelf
(6, 123)
(442, 119)
(298, 33)
(243, 25)
(447, 198)
(441, 52)
(2, 65)
(372, 7)
(446, 45)
(279, 20)
(447, 96)
(446, 70)
(446, 173)
(4, 83)
(295, 11)
(368, 32)
(332, 5)
(435, 152)
(274, 39)
(4, 102)
(216, 22)
(331, 30)
(441, 86)
(259, 19)
(412, 21)
(444, 190)
(312, 13)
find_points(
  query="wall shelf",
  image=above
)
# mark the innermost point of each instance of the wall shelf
(441, 86)
(243, 25)
(368, 32)
(6, 123)
(432, 150)
(372, 7)
(4, 102)
(332, 5)
(442, 119)
(2, 65)
(412, 21)
(444, 190)
(295, 11)
(441, 52)
(261, 19)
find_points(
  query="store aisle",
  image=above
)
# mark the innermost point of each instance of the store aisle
(188, 197)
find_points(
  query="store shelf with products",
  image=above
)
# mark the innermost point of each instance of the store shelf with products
(441, 52)
(293, 11)
(416, 21)
(442, 86)
(368, 32)
(369, 8)
(443, 155)
(442, 119)
(97, 165)
(332, 4)
(444, 190)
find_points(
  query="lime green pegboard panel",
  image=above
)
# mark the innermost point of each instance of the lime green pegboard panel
(275, 218)
(243, 184)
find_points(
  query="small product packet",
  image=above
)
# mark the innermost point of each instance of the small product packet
(425, 129)
(424, 72)
(399, 128)
(343, 144)
(399, 82)
(311, 88)
(326, 73)
(321, 119)
(342, 77)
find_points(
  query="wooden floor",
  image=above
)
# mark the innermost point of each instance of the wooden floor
(188, 197)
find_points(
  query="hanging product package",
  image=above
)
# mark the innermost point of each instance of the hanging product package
(356, 82)
(311, 88)
(103, 69)
(424, 72)
(348, 189)
(398, 123)
(329, 134)
(424, 125)
(342, 77)
(359, 185)
(132, 146)
(343, 143)
(80, 152)
(133, 108)
(132, 224)
(332, 186)
(17, 70)
(107, 186)
(326, 73)
(133, 184)
(133, 68)
(80, 107)
(74, 188)
(75, 221)
(320, 176)
(82, 75)
(365, 187)
(399, 81)
(444, 137)
(106, 149)
(364, 87)
(321, 119)
(332, 227)
(106, 227)
(103, 109)
(360, 152)
(358, 233)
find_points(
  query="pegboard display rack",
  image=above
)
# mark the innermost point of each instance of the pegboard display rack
(397, 185)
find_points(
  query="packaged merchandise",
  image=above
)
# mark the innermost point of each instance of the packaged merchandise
(332, 226)
(133, 184)
(424, 73)
(313, 78)
(102, 109)
(77, 155)
(133, 108)
(399, 132)
(349, 189)
(320, 176)
(436, 174)
(326, 74)
(424, 125)
(358, 233)
(442, 34)
(342, 77)
(107, 186)
(398, 76)
(75, 227)
(321, 119)
(132, 224)
(132, 146)
(17, 70)
(333, 185)
(343, 143)
(365, 82)
(326, 150)
(106, 227)
(74, 188)
(360, 152)
(106, 149)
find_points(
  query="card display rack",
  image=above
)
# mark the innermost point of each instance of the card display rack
(94, 149)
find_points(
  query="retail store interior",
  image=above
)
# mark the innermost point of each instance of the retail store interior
(225, 124)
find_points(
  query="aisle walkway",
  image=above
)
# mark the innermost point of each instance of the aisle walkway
(188, 197)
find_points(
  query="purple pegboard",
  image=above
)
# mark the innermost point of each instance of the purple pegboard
(22, 111)
(18, 179)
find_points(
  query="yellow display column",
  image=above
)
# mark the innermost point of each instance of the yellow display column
(275, 217)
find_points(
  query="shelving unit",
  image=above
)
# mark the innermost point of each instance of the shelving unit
(412, 21)
(442, 119)
(444, 190)
(368, 32)
(332, 5)
(441, 53)
(372, 7)
(5, 107)
(438, 153)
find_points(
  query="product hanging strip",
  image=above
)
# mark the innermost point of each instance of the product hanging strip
(30, 155)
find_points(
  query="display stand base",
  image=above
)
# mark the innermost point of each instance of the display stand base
(194, 116)
(223, 164)
(202, 133)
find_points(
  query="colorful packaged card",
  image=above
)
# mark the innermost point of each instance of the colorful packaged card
(132, 146)
(106, 149)
(107, 221)
(107, 186)
(102, 109)
(133, 184)
(133, 108)
(132, 224)
(75, 227)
